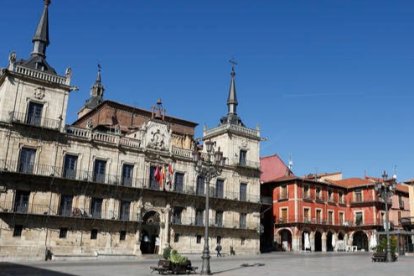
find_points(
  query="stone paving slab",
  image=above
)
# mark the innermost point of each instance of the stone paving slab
(255, 265)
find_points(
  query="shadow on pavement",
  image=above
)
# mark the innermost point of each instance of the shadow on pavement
(239, 267)
(7, 269)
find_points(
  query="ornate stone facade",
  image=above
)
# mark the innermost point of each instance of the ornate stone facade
(93, 188)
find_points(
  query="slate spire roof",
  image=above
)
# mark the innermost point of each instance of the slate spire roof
(40, 41)
(232, 102)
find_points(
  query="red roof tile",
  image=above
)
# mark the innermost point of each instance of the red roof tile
(353, 182)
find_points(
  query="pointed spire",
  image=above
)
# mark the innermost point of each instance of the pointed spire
(41, 37)
(232, 98)
(97, 88)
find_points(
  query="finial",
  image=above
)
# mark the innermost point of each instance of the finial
(159, 102)
(233, 63)
(99, 77)
(47, 2)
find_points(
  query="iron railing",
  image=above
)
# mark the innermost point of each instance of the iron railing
(39, 121)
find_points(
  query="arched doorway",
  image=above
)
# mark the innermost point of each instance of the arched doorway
(150, 231)
(285, 239)
(340, 236)
(329, 244)
(318, 241)
(306, 241)
(360, 240)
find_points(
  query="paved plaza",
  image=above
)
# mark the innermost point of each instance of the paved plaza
(266, 264)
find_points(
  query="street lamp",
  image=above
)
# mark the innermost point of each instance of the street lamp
(208, 166)
(385, 190)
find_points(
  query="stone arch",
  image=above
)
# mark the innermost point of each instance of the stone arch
(341, 235)
(360, 240)
(283, 239)
(150, 231)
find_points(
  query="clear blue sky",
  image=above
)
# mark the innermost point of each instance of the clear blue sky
(329, 82)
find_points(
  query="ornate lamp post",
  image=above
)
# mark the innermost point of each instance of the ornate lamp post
(208, 167)
(385, 190)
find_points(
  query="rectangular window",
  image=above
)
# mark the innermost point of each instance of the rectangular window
(94, 234)
(243, 158)
(200, 185)
(96, 207)
(27, 160)
(306, 215)
(99, 171)
(330, 196)
(318, 193)
(17, 231)
(219, 218)
(318, 216)
(341, 197)
(198, 238)
(21, 201)
(34, 114)
(122, 235)
(358, 218)
(358, 195)
(283, 192)
(401, 202)
(153, 182)
(69, 166)
(341, 218)
(124, 210)
(65, 208)
(243, 191)
(284, 215)
(330, 217)
(220, 188)
(176, 237)
(127, 172)
(306, 193)
(218, 239)
(199, 217)
(176, 216)
(179, 182)
(63, 232)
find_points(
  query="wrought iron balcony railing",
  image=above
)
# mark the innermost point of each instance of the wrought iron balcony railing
(26, 119)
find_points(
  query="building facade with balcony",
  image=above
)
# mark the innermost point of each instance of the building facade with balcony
(119, 177)
(328, 213)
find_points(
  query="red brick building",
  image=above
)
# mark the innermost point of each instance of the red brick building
(327, 213)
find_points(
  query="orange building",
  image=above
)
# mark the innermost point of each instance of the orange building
(327, 213)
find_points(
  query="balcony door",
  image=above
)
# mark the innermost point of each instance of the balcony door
(34, 114)
(69, 167)
(99, 171)
(65, 208)
(27, 160)
(21, 201)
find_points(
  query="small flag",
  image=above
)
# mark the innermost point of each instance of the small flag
(157, 174)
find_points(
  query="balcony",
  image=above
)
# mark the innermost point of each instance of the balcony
(320, 199)
(246, 163)
(307, 198)
(43, 122)
(283, 196)
(229, 224)
(56, 172)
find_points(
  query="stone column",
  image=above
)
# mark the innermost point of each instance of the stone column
(296, 243)
(324, 242)
(137, 246)
(167, 226)
(335, 236)
(312, 240)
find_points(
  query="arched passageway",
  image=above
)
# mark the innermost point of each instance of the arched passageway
(329, 242)
(360, 240)
(150, 232)
(306, 241)
(318, 241)
(286, 239)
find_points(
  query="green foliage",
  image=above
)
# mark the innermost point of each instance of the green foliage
(167, 252)
(382, 245)
(176, 258)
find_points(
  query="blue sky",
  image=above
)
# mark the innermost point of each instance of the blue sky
(329, 82)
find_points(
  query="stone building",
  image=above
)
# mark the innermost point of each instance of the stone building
(118, 181)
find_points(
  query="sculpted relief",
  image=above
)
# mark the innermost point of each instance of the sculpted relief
(157, 136)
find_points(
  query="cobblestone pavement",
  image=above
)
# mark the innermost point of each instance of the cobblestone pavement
(265, 264)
